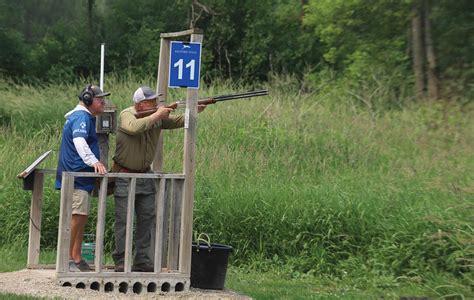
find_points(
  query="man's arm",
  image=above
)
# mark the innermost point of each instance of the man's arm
(178, 121)
(84, 151)
(131, 125)
(87, 156)
(173, 122)
(80, 131)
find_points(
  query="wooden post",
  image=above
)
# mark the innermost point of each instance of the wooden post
(162, 88)
(64, 231)
(103, 139)
(164, 64)
(103, 135)
(35, 220)
(189, 172)
(100, 228)
(160, 199)
(129, 232)
(166, 206)
(175, 223)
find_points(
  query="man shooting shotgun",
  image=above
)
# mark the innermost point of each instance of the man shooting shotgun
(136, 144)
(205, 101)
(138, 132)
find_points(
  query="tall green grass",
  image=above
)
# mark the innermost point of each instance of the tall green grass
(316, 183)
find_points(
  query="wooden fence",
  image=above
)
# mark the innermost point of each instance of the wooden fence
(167, 275)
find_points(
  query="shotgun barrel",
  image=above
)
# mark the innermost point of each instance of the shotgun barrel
(206, 101)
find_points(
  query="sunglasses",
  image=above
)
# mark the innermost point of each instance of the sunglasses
(150, 101)
(100, 100)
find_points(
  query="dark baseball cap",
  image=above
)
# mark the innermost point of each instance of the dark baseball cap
(95, 91)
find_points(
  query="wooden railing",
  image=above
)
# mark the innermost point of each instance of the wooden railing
(169, 206)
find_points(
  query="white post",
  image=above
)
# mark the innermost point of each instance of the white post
(103, 137)
(102, 52)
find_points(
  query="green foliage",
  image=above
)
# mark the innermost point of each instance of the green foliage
(13, 55)
(452, 25)
(359, 37)
(248, 40)
(244, 40)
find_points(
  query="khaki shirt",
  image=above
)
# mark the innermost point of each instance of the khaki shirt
(137, 139)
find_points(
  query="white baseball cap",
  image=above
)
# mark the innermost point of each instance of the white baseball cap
(144, 93)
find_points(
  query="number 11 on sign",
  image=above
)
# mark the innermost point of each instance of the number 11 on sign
(190, 65)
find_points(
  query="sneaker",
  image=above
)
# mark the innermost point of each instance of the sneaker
(144, 267)
(73, 267)
(83, 266)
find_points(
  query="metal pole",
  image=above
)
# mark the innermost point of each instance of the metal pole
(102, 52)
(103, 137)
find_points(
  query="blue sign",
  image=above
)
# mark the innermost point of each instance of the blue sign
(185, 65)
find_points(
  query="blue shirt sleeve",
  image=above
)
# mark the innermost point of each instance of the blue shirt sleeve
(80, 127)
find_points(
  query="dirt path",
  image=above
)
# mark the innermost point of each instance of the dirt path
(40, 283)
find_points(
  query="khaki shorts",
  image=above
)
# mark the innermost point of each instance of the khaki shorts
(80, 202)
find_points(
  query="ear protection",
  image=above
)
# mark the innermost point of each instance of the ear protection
(87, 95)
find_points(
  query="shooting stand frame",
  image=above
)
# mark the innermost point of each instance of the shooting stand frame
(174, 211)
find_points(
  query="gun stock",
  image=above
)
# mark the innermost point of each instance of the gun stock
(205, 101)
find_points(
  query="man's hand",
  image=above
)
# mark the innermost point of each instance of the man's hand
(162, 113)
(201, 107)
(99, 168)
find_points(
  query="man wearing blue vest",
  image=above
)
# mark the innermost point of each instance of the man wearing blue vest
(79, 152)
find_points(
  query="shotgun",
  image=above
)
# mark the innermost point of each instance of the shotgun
(206, 101)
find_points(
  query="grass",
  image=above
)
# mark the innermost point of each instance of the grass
(275, 285)
(319, 185)
(281, 283)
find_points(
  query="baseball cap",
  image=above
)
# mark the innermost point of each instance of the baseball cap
(144, 93)
(94, 90)
(97, 92)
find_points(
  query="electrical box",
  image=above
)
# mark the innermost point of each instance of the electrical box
(106, 122)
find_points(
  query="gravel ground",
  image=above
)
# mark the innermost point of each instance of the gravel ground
(41, 283)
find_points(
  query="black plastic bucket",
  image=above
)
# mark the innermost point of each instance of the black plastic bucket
(209, 266)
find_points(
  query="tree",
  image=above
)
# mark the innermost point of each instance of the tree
(248, 39)
(358, 36)
(424, 58)
(418, 49)
(89, 12)
(452, 27)
(433, 80)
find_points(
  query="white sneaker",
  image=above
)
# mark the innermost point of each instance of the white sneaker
(73, 267)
